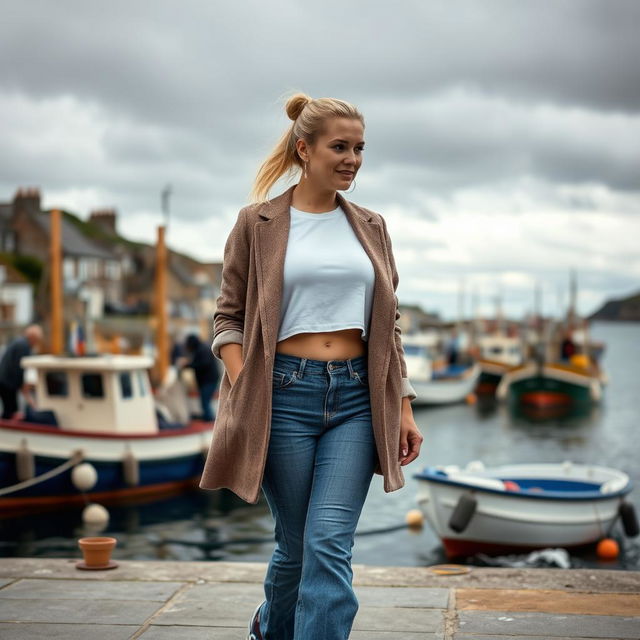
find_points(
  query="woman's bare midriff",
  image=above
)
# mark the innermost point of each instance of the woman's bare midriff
(330, 345)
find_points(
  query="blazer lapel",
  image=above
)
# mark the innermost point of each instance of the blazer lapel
(271, 237)
(381, 328)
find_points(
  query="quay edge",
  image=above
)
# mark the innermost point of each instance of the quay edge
(575, 580)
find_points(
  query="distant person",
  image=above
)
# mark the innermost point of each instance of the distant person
(453, 349)
(567, 348)
(204, 365)
(12, 373)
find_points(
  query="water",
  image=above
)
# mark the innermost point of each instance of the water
(218, 526)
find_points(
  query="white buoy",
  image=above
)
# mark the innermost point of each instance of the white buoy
(95, 514)
(84, 476)
(25, 462)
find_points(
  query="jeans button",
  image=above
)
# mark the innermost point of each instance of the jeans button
(330, 367)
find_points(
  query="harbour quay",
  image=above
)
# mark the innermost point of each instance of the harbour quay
(155, 600)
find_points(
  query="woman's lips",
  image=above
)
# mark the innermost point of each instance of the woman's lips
(346, 174)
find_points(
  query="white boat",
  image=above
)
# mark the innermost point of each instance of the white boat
(98, 411)
(436, 385)
(521, 507)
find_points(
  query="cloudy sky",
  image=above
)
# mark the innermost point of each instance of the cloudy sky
(502, 135)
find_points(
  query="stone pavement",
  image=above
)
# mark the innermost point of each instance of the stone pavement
(50, 598)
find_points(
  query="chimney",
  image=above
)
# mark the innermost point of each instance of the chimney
(105, 219)
(27, 197)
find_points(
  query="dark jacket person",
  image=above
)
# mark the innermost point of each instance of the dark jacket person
(206, 372)
(12, 373)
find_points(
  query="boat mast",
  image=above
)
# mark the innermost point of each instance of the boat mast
(162, 342)
(57, 337)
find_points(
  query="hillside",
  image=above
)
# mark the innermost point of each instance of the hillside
(625, 309)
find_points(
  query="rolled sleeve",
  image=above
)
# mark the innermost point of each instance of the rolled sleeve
(228, 319)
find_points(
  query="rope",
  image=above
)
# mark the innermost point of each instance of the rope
(76, 457)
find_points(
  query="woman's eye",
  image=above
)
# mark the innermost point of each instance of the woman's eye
(338, 147)
(359, 149)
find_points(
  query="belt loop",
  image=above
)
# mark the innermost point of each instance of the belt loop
(351, 373)
(303, 362)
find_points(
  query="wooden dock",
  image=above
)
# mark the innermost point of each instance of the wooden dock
(51, 598)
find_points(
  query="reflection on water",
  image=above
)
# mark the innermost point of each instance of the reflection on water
(219, 526)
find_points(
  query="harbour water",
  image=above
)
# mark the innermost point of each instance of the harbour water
(218, 526)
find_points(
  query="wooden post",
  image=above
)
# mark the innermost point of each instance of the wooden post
(57, 328)
(162, 338)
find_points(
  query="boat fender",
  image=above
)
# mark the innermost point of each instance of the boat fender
(463, 512)
(25, 463)
(629, 519)
(131, 469)
(84, 476)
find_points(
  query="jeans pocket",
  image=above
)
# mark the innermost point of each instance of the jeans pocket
(362, 377)
(283, 379)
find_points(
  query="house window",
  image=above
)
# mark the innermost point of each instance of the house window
(92, 385)
(9, 242)
(126, 387)
(68, 268)
(57, 383)
(111, 270)
(83, 269)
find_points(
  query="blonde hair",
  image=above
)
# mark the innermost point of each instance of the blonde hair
(309, 117)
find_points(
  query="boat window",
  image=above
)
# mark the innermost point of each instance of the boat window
(125, 385)
(57, 383)
(92, 385)
(142, 384)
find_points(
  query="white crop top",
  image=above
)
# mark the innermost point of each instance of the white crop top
(328, 277)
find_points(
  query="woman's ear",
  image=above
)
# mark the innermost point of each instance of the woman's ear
(302, 149)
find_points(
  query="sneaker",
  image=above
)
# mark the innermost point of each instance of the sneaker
(254, 625)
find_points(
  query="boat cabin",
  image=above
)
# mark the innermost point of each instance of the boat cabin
(102, 394)
(501, 348)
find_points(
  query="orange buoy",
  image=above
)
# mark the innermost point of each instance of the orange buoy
(471, 398)
(608, 549)
(510, 485)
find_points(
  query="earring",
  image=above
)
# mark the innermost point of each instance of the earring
(305, 169)
(353, 188)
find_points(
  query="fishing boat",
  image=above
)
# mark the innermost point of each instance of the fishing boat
(522, 507)
(571, 385)
(98, 434)
(435, 382)
(498, 353)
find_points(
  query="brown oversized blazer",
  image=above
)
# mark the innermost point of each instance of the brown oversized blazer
(248, 312)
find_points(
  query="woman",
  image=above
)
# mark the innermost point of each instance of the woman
(315, 396)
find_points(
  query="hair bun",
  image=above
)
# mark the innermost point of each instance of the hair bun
(295, 105)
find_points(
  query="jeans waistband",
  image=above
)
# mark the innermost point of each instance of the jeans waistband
(359, 363)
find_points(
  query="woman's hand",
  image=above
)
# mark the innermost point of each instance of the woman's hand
(410, 436)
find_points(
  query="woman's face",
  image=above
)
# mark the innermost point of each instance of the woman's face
(336, 155)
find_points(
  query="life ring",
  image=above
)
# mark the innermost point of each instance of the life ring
(629, 519)
(463, 512)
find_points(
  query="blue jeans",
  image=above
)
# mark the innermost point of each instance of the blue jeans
(319, 466)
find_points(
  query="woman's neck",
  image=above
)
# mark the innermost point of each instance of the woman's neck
(307, 198)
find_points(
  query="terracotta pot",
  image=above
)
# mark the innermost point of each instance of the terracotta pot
(96, 551)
